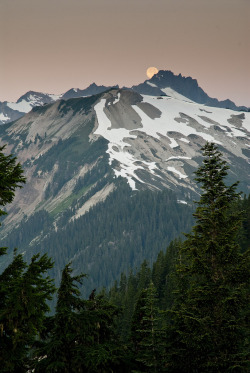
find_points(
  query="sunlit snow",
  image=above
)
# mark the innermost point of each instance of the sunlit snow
(170, 120)
(32, 100)
(116, 145)
(177, 157)
(172, 169)
(171, 109)
(22, 106)
(172, 93)
(55, 97)
(3, 117)
(117, 99)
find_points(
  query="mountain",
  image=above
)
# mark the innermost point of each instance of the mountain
(10, 111)
(91, 90)
(110, 176)
(166, 82)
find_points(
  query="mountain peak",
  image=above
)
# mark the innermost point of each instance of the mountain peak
(186, 86)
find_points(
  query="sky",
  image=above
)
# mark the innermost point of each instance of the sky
(51, 46)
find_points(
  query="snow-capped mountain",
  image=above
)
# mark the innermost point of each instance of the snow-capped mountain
(164, 83)
(153, 142)
(161, 136)
(10, 111)
(79, 153)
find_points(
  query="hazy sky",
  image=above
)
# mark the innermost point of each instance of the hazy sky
(54, 45)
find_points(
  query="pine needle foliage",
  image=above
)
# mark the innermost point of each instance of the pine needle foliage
(209, 317)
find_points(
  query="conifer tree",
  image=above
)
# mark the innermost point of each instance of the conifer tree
(11, 178)
(24, 292)
(209, 317)
(58, 352)
(103, 351)
(147, 334)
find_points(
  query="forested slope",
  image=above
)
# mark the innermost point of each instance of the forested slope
(114, 236)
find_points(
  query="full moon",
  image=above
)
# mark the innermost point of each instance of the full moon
(151, 71)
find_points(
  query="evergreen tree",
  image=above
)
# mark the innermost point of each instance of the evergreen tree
(103, 351)
(24, 292)
(81, 335)
(209, 317)
(11, 177)
(147, 334)
(58, 352)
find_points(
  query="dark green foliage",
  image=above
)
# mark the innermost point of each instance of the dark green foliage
(244, 206)
(126, 295)
(147, 333)
(24, 289)
(119, 233)
(24, 292)
(209, 319)
(81, 336)
(57, 354)
(11, 177)
(112, 237)
(28, 229)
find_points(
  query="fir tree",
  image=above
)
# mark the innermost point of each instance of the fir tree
(147, 334)
(24, 292)
(58, 352)
(209, 317)
(11, 177)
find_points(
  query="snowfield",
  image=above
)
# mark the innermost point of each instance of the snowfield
(178, 115)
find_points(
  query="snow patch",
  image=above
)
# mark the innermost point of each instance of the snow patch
(22, 106)
(177, 157)
(116, 146)
(3, 117)
(182, 201)
(172, 169)
(151, 84)
(172, 93)
(170, 109)
(55, 97)
(117, 99)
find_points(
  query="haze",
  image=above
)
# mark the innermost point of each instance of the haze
(54, 45)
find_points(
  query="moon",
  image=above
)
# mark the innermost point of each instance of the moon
(151, 71)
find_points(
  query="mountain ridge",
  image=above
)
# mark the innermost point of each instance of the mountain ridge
(186, 86)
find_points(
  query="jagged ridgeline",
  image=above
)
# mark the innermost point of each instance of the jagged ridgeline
(115, 235)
